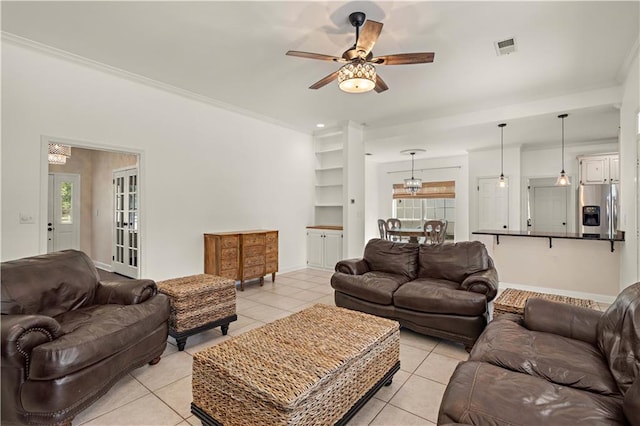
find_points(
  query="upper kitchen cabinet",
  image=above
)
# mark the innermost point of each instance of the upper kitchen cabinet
(603, 168)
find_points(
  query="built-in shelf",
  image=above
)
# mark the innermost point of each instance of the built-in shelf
(325, 169)
(329, 151)
(327, 185)
(329, 205)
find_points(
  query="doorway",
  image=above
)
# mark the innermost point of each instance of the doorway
(94, 215)
(63, 212)
(548, 206)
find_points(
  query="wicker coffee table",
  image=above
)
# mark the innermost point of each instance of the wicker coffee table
(512, 301)
(198, 303)
(317, 366)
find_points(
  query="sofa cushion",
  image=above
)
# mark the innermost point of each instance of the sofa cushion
(391, 257)
(452, 262)
(439, 297)
(552, 357)
(483, 394)
(95, 333)
(618, 335)
(376, 287)
(48, 284)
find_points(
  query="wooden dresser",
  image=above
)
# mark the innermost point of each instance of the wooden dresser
(242, 255)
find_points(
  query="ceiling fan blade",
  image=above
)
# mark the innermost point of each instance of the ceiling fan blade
(404, 58)
(368, 36)
(328, 79)
(319, 56)
(381, 86)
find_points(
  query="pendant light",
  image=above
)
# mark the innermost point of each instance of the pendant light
(413, 185)
(502, 182)
(563, 179)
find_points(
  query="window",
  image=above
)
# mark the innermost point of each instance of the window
(66, 195)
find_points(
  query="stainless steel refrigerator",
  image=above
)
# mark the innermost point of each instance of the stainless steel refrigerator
(598, 207)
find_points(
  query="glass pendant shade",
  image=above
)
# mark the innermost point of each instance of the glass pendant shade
(357, 77)
(563, 179)
(502, 183)
(58, 154)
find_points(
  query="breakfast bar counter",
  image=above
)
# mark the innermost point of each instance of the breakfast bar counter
(551, 235)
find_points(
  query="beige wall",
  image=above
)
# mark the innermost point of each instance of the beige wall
(96, 196)
(581, 268)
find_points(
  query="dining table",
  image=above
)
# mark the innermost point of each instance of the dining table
(413, 233)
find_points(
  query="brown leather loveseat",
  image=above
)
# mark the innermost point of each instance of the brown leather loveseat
(442, 290)
(560, 365)
(67, 337)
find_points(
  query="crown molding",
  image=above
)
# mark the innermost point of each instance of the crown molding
(137, 78)
(625, 68)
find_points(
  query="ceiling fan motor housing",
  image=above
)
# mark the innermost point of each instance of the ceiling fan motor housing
(357, 19)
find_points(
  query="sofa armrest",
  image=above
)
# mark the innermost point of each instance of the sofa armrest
(125, 292)
(566, 320)
(485, 282)
(352, 266)
(22, 333)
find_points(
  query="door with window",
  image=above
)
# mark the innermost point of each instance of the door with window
(126, 238)
(63, 212)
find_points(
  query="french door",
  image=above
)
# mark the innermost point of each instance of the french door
(126, 239)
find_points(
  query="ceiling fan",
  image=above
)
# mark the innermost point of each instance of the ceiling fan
(358, 75)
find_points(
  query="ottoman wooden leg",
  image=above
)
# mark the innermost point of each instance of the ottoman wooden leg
(181, 341)
(224, 328)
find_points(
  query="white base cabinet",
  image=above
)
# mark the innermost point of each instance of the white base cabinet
(324, 248)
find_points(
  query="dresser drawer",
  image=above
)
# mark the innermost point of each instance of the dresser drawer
(271, 267)
(253, 251)
(229, 273)
(229, 241)
(272, 257)
(253, 271)
(229, 254)
(253, 240)
(253, 260)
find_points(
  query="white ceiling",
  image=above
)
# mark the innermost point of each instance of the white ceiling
(571, 57)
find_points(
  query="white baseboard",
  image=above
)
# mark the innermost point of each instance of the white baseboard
(601, 298)
(103, 266)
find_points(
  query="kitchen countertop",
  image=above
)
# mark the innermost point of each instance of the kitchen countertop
(565, 235)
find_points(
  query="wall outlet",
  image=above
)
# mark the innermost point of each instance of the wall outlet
(26, 218)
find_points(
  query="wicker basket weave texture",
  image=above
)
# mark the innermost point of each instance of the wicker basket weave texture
(198, 299)
(306, 369)
(512, 301)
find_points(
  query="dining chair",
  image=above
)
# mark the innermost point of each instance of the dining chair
(435, 231)
(392, 224)
(382, 227)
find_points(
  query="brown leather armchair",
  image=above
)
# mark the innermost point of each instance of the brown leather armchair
(67, 337)
(560, 365)
(442, 290)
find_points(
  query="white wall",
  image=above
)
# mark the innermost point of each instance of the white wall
(629, 181)
(203, 168)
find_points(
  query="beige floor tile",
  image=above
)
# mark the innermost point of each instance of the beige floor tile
(386, 392)
(420, 396)
(239, 331)
(417, 340)
(177, 395)
(276, 300)
(367, 413)
(196, 346)
(283, 290)
(194, 421)
(411, 358)
(327, 300)
(437, 367)
(124, 391)
(243, 303)
(452, 350)
(391, 415)
(265, 313)
(174, 367)
(307, 295)
(148, 410)
(171, 347)
(304, 285)
(319, 280)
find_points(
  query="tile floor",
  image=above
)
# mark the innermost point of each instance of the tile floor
(161, 394)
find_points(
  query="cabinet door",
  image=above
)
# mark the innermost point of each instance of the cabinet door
(332, 249)
(315, 248)
(594, 170)
(614, 169)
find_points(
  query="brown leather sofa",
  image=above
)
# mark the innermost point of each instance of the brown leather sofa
(67, 337)
(560, 365)
(442, 290)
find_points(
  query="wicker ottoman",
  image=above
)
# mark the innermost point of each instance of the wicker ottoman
(315, 367)
(198, 303)
(512, 301)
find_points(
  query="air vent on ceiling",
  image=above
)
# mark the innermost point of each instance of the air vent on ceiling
(505, 47)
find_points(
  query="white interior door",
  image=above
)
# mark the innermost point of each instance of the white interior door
(126, 244)
(63, 221)
(493, 204)
(549, 208)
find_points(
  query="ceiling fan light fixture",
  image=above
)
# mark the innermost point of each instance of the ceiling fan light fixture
(357, 77)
